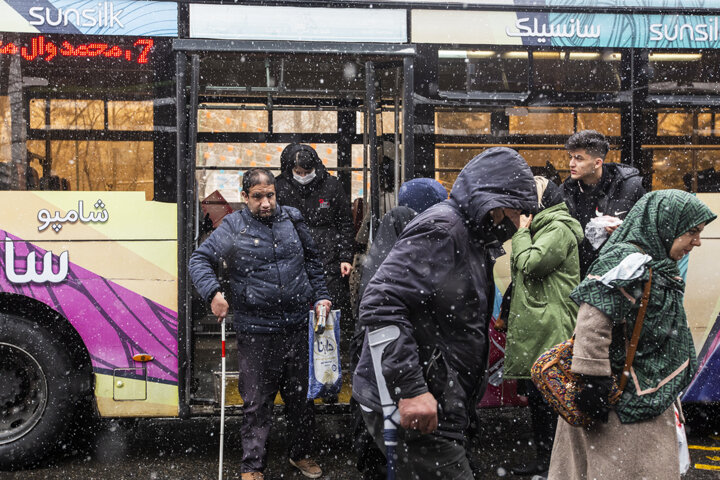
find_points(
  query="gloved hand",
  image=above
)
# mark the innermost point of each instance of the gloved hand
(592, 399)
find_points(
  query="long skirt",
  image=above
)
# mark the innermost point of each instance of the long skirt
(613, 450)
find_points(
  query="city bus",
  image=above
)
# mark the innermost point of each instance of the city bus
(123, 143)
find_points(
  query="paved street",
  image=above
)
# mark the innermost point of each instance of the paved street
(176, 449)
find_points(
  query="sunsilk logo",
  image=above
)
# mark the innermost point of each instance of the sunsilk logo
(102, 15)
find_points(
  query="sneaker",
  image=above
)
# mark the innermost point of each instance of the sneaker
(252, 476)
(307, 467)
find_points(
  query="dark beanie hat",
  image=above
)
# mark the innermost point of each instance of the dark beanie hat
(421, 194)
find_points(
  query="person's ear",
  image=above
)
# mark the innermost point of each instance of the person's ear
(244, 196)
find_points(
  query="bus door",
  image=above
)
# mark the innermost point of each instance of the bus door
(238, 108)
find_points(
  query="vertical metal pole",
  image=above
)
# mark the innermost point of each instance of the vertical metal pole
(371, 108)
(396, 176)
(192, 143)
(408, 106)
(183, 246)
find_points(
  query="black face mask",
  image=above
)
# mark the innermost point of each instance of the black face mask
(504, 230)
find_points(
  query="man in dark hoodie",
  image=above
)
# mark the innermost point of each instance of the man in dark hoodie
(414, 197)
(597, 188)
(436, 285)
(305, 184)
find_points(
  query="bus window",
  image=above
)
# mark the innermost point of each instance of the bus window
(563, 71)
(229, 117)
(220, 166)
(684, 72)
(304, 121)
(686, 168)
(538, 133)
(539, 121)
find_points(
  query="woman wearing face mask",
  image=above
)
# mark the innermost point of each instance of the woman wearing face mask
(305, 184)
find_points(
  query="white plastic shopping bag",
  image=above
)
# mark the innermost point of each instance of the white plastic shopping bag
(595, 229)
(682, 443)
(325, 376)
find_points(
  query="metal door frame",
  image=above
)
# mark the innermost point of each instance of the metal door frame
(187, 52)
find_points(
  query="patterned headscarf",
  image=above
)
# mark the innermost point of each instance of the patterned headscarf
(665, 349)
(654, 223)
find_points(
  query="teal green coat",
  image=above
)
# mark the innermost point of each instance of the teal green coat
(545, 268)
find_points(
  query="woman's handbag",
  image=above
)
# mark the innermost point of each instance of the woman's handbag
(559, 386)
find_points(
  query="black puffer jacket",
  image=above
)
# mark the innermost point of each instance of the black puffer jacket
(275, 271)
(324, 206)
(436, 285)
(616, 193)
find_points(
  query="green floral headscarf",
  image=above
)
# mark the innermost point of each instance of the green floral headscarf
(654, 223)
(665, 361)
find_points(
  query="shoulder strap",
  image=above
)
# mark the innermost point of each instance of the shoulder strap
(632, 347)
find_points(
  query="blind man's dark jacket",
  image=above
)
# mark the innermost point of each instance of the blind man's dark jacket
(274, 267)
(436, 285)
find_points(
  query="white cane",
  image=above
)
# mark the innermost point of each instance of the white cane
(222, 401)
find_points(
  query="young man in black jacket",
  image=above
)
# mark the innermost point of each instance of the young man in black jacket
(436, 285)
(597, 188)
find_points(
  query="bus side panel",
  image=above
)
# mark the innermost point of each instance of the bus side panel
(113, 275)
(702, 306)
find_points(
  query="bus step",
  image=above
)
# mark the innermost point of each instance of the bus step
(233, 398)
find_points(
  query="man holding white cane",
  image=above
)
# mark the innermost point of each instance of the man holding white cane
(275, 278)
(436, 289)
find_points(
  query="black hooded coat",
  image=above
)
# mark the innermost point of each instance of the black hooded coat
(324, 206)
(436, 285)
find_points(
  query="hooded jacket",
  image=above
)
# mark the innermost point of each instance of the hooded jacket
(323, 204)
(619, 188)
(545, 268)
(275, 270)
(436, 285)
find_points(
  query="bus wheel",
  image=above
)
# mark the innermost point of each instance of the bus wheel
(40, 388)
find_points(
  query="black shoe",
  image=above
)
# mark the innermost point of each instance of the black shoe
(532, 468)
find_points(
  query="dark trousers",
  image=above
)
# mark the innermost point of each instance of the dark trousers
(339, 290)
(269, 363)
(543, 418)
(422, 457)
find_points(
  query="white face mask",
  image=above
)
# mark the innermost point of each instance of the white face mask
(306, 179)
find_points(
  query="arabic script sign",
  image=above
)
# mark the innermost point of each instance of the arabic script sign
(31, 274)
(566, 29)
(72, 216)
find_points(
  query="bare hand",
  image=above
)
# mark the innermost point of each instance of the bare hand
(525, 221)
(611, 229)
(419, 413)
(219, 306)
(345, 268)
(328, 307)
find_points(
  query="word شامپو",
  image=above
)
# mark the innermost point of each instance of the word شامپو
(72, 216)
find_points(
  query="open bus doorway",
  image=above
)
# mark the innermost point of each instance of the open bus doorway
(242, 109)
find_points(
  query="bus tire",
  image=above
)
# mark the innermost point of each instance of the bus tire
(41, 392)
